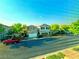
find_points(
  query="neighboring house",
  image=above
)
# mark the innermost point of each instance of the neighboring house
(4, 33)
(44, 29)
(7, 28)
(32, 31)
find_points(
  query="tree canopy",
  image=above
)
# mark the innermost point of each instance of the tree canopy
(64, 27)
(74, 28)
(2, 28)
(16, 28)
(54, 27)
(19, 28)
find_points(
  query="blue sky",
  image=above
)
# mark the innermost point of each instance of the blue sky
(38, 11)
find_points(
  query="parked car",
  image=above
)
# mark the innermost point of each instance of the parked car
(10, 41)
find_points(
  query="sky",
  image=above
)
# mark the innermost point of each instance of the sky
(38, 11)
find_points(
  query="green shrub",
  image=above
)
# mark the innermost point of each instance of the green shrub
(76, 49)
(59, 55)
(52, 57)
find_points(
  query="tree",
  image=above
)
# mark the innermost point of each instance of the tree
(54, 27)
(24, 31)
(74, 28)
(2, 28)
(19, 30)
(64, 29)
(16, 28)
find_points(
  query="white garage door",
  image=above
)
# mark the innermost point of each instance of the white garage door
(33, 35)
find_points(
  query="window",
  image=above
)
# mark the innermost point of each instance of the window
(47, 27)
(42, 28)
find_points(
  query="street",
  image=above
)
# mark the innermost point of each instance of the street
(32, 48)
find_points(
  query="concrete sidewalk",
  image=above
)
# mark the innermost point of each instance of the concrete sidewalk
(71, 54)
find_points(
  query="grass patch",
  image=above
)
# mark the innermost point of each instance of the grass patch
(76, 48)
(59, 55)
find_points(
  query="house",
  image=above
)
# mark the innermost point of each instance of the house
(32, 31)
(44, 29)
(5, 31)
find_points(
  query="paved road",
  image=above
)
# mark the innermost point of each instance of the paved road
(47, 45)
